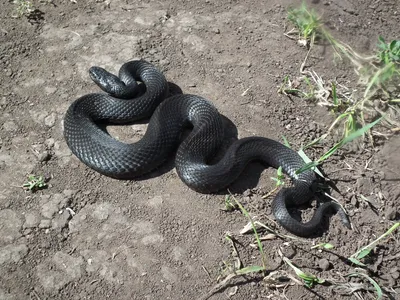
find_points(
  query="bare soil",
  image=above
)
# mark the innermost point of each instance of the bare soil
(88, 236)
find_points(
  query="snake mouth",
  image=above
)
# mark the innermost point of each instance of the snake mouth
(94, 73)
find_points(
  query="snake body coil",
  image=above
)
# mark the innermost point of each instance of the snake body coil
(100, 151)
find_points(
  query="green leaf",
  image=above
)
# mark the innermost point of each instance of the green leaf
(365, 250)
(352, 136)
(363, 253)
(356, 262)
(311, 165)
(279, 172)
(285, 141)
(309, 279)
(334, 94)
(328, 246)
(260, 246)
(250, 269)
(360, 131)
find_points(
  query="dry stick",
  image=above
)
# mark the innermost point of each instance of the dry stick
(206, 271)
(36, 295)
(303, 65)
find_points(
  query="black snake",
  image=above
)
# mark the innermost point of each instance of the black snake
(97, 149)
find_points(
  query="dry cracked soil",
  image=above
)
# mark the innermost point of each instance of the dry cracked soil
(87, 236)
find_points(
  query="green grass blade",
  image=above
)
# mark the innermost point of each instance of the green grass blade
(309, 279)
(330, 151)
(352, 136)
(356, 262)
(360, 132)
(367, 249)
(309, 164)
(373, 282)
(250, 269)
(334, 95)
(363, 253)
(260, 246)
(285, 141)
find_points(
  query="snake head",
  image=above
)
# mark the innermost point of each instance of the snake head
(112, 85)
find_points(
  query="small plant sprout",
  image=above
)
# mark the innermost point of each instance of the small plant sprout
(364, 251)
(34, 183)
(379, 77)
(23, 8)
(229, 205)
(279, 181)
(306, 22)
(390, 52)
(386, 69)
(309, 279)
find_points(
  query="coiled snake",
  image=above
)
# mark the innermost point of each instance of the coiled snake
(98, 150)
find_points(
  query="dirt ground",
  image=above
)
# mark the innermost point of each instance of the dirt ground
(88, 236)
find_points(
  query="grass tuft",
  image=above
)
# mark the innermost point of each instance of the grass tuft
(34, 183)
(23, 8)
(307, 23)
(379, 76)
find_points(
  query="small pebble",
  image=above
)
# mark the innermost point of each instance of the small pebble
(324, 264)
(289, 251)
(391, 213)
(44, 156)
